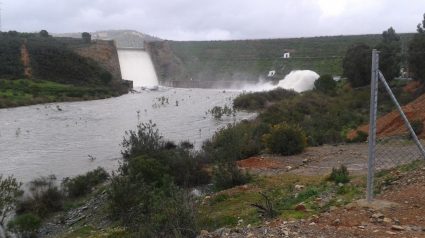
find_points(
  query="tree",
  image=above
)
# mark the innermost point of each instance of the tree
(416, 58)
(357, 64)
(13, 33)
(325, 84)
(390, 36)
(86, 37)
(421, 28)
(44, 33)
(9, 193)
(389, 60)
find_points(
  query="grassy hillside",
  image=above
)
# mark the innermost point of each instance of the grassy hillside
(124, 38)
(251, 59)
(28, 62)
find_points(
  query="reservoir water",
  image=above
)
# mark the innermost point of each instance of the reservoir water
(60, 138)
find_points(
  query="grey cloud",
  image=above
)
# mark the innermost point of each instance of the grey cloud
(209, 20)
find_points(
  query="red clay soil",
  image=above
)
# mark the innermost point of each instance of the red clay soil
(411, 87)
(392, 123)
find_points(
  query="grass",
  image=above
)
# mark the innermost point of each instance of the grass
(84, 231)
(23, 92)
(226, 210)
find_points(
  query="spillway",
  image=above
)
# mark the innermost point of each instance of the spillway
(136, 65)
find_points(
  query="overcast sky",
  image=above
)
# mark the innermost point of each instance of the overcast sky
(214, 19)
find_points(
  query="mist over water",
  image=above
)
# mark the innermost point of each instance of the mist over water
(298, 80)
(136, 65)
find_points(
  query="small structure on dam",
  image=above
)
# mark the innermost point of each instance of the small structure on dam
(136, 65)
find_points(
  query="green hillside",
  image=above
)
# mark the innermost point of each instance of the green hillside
(124, 38)
(251, 59)
(29, 62)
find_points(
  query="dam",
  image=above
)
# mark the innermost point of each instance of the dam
(136, 65)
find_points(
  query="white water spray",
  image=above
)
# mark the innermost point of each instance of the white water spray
(136, 65)
(298, 80)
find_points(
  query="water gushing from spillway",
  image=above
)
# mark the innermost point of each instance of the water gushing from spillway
(136, 65)
(298, 80)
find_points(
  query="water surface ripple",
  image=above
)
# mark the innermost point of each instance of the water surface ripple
(41, 140)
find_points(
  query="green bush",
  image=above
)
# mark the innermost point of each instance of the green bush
(285, 139)
(42, 197)
(83, 184)
(25, 226)
(9, 193)
(325, 84)
(340, 175)
(228, 175)
(145, 141)
(148, 210)
(258, 100)
(417, 126)
(187, 168)
(151, 170)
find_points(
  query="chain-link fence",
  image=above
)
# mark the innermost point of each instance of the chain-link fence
(392, 141)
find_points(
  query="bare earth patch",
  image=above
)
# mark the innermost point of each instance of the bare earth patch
(398, 211)
(313, 161)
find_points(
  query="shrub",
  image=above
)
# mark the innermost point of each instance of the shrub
(417, 126)
(325, 84)
(228, 175)
(25, 226)
(150, 170)
(186, 144)
(340, 175)
(285, 139)
(257, 100)
(9, 193)
(225, 145)
(266, 207)
(149, 210)
(145, 141)
(43, 197)
(188, 168)
(83, 184)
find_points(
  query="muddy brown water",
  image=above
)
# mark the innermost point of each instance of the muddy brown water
(59, 138)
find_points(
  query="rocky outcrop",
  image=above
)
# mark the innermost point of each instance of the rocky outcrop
(167, 66)
(105, 53)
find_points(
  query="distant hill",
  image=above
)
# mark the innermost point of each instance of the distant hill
(124, 38)
(252, 59)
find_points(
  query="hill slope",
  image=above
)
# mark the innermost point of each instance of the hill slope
(251, 59)
(124, 38)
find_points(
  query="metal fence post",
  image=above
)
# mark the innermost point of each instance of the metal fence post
(372, 126)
